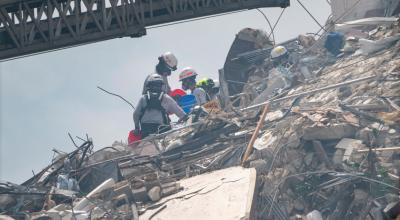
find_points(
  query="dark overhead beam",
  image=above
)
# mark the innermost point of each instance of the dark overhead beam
(33, 26)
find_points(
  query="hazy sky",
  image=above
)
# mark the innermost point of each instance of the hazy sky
(46, 96)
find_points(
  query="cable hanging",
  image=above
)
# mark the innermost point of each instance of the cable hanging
(269, 24)
(312, 16)
(279, 18)
(341, 16)
(129, 103)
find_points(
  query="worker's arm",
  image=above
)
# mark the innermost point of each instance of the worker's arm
(137, 114)
(201, 96)
(171, 106)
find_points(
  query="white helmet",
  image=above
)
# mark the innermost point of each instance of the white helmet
(154, 83)
(170, 59)
(278, 52)
(155, 78)
(186, 73)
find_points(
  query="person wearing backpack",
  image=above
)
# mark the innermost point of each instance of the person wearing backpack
(151, 113)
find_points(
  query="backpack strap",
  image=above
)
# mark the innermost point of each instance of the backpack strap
(143, 109)
(158, 106)
(164, 113)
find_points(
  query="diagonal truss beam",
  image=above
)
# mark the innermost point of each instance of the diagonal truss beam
(31, 14)
(32, 26)
(63, 13)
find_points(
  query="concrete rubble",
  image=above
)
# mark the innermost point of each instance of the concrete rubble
(328, 154)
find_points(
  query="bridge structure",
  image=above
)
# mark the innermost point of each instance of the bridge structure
(33, 26)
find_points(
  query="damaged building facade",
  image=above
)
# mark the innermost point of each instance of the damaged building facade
(323, 144)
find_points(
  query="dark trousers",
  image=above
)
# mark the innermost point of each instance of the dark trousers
(151, 128)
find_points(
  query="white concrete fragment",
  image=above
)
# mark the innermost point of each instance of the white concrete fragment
(314, 215)
(83, 204)
(264, 141)
(6, 217)
(271, 116)
(57, 212)
(154, 193)
(369, 46)
(349, 145)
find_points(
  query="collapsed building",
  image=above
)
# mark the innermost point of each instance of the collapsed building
(325, 147)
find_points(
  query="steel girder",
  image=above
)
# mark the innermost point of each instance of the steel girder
(32, 26)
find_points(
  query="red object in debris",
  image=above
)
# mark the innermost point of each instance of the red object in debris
(132, 137)
(176, 93)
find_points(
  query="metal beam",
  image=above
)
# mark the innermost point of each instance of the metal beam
(32, 26)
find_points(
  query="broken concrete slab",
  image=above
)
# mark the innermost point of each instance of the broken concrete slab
(223, 194)
(369, 46)
(58, 212)
(5, 217)
(330, 132)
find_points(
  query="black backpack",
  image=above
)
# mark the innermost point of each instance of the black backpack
(153, 101)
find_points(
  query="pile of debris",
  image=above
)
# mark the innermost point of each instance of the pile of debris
(331, 151)
(324, 147)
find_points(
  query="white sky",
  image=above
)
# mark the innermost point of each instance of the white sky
(44, 97)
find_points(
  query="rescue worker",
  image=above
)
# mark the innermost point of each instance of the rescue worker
(281, 62)
(188, 79)
(210, 86)
(151, 113)
(280, 56)
(166, 64)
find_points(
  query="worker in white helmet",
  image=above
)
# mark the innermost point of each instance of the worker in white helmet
(167, 63)
(188, 79)
(279, 56)
(280, 60)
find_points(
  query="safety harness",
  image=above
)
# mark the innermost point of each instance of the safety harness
(153, 101)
